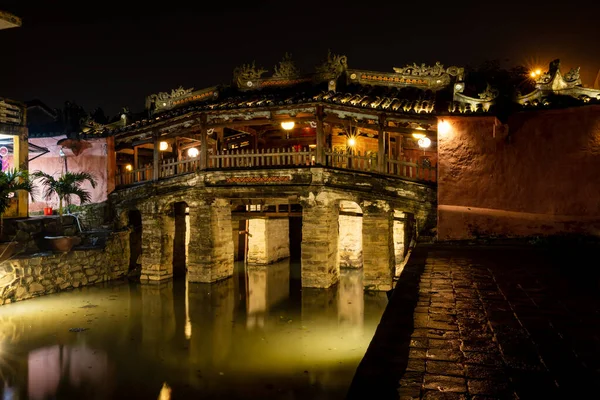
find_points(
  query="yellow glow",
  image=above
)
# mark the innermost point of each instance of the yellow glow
(312, 146)
(288, 125)
(532, 74)
(128, 167)
(538, 71)
(444, 127)
(424, 142)
(193, 152)
(417, 135)
(351, 142)
(162, 146)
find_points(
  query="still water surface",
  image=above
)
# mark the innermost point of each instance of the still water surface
(257, 335)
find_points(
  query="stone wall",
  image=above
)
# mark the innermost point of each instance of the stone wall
(24, 277)
(539, 177)
(269, 240)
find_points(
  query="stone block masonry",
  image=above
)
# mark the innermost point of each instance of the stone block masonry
(24, 277)
(269, 240)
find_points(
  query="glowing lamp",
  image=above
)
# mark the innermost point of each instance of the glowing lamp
(351, 142)
(424, 142)
(443, 127)
(288, 125)
(312, 146)
(193, 152)
(532, 74)
(417, 135)
(162, 146)
(128, 167)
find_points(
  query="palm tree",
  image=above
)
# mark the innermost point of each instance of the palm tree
(11, 181)
(66, 186)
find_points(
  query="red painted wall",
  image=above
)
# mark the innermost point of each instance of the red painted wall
(541, 179)
(93, 160)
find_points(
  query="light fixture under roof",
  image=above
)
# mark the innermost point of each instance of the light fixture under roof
(288, 125)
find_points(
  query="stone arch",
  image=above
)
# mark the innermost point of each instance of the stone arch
(350, 232)
(403, 235)
(181, 238)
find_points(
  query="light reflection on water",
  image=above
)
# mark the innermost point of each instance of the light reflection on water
(257, 335)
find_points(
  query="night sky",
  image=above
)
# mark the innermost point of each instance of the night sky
(113, 54)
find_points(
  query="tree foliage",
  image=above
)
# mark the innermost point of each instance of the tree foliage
(66, 186)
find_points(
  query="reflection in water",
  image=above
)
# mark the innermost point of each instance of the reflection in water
(67, 371)
(256, 335)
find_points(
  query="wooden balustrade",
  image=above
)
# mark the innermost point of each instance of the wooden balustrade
(245, 158)
(410, 169)
(137, 175)
(261, 158)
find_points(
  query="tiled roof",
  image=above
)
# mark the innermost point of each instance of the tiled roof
(391, 100)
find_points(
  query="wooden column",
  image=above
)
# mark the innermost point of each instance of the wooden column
(381, 167)
(156, 158)
(135, 157)
(319, 157)
(203, 142)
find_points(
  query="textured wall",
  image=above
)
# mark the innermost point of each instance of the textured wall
(31, 276)
(540, 179)
(93, 159)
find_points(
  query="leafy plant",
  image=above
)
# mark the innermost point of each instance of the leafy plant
(66, 186)
(12, 181)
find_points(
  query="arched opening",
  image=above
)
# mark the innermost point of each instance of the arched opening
(134, 220)
(350, 238)
(181, 239)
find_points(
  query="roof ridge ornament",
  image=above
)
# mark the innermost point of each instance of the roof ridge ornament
(286, 68)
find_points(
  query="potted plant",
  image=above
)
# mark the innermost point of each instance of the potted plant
(65, 187)
(11, 181)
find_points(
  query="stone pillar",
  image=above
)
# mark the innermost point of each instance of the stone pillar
(269, 240)
(158, 232)
(210, 251)
(319, 246)
(378, 245)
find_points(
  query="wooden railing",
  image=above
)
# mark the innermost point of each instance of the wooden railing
(137, 175)
(172, 167)
(261, 158)
(404, 167)
(411, 169)
(351, 160)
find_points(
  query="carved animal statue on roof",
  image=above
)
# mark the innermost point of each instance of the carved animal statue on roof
(248, 72)
(286, 68)
(334, 64)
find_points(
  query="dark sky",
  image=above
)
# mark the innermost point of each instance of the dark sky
(112, 54)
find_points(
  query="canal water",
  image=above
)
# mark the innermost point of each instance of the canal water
(256, 335)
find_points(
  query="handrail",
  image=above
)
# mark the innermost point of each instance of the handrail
(406, 168)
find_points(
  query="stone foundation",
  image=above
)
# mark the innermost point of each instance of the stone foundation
(269, 240)
(24, 277)
(158, 233)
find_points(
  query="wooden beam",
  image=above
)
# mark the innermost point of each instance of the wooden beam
(203, 142)
(156, 158)
(381, 143)
(261, 121)
(319, 157)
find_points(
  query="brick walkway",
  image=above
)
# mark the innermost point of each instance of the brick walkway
(496, 322)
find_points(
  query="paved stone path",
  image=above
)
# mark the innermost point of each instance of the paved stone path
(496, 322)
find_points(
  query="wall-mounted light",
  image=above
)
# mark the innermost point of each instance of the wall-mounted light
(128, 167)
(424, 142)
(288, 125)
(162, 146)
(312, 146)
(443, 127)
(535, 73)
(193, 152)
(351, 142)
